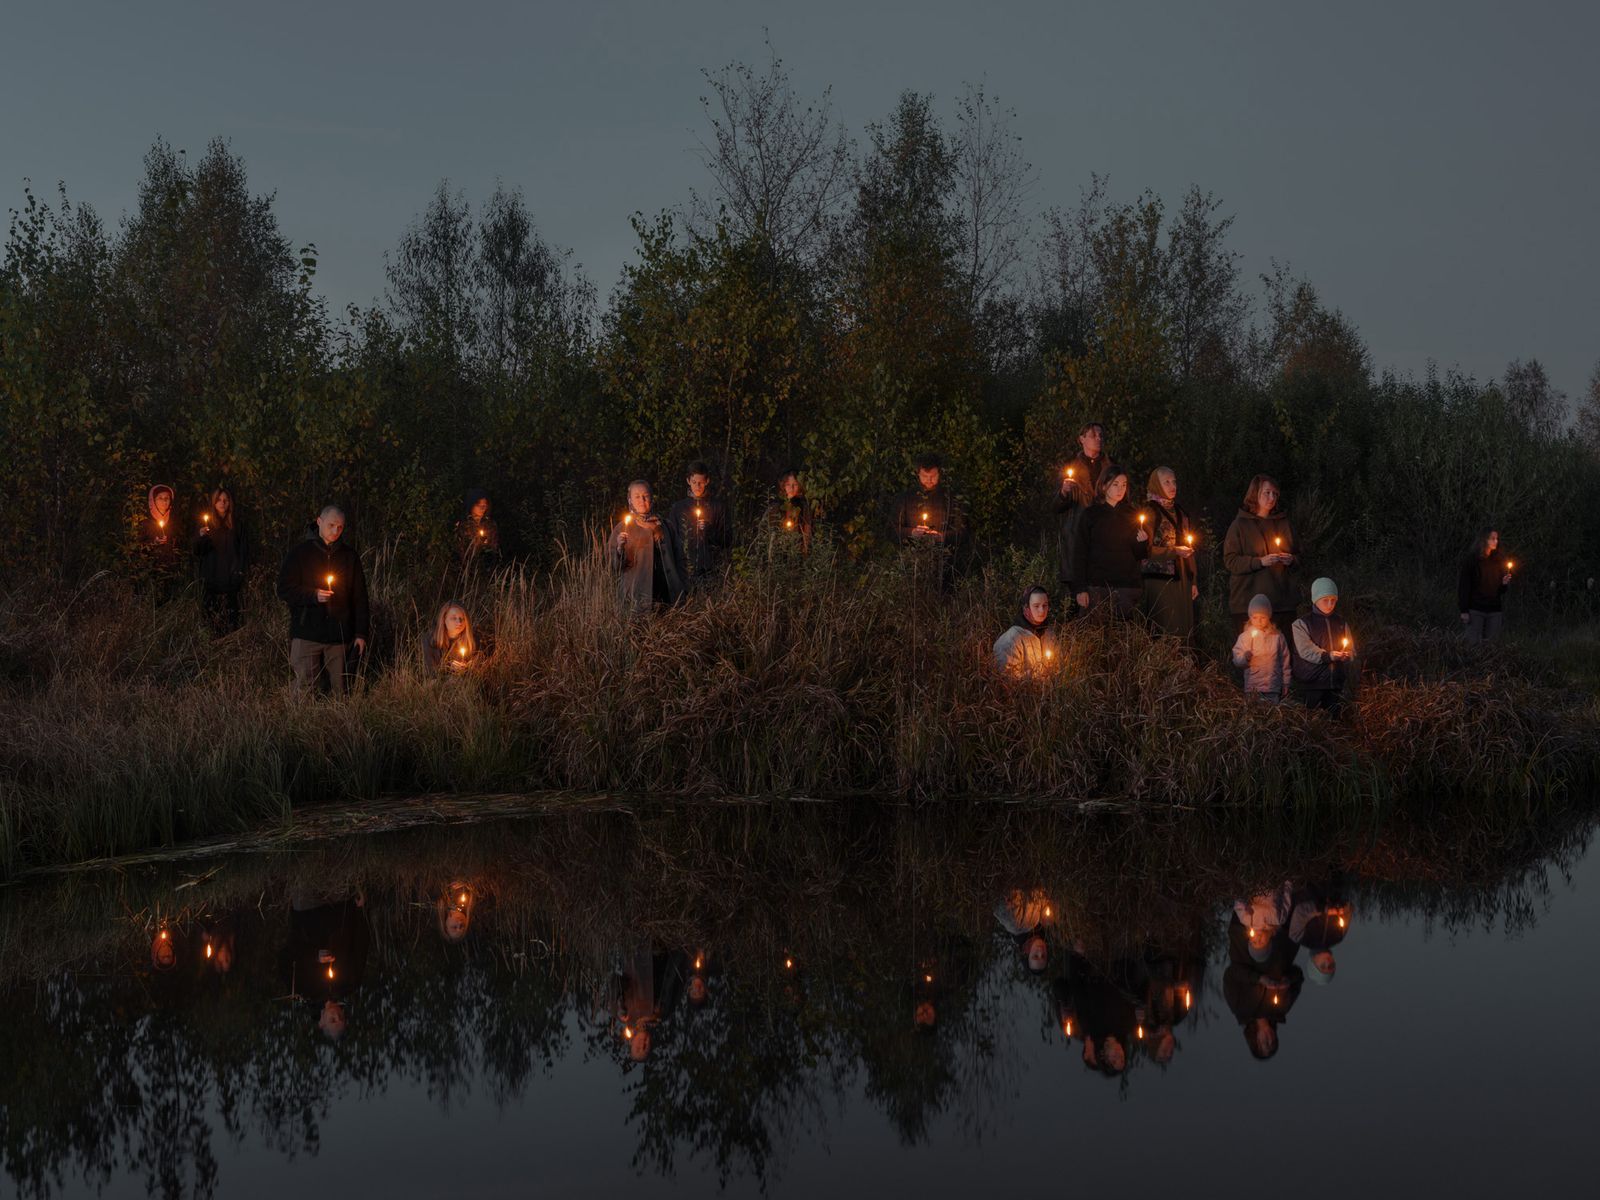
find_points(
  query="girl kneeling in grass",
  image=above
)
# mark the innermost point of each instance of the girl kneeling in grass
(452, 646)
(1029, 646)
(1263, 652)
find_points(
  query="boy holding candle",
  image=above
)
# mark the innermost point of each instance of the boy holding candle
(322, 582)
(1263, 652)
(704, 533)
(1323, 650)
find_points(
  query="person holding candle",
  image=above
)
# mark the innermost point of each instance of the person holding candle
(1261, 983)
(159, 549)
(704, 531)
(1323, 650)
(1110, 549)
(645, 551)
(1319, 921)
(926, 515)
(1028, 648)
(222, 558)
(1171, 583)
(793, 516)
(477, 532)
(451, 647)
(1079, 485)
(1482, 582)
(322, 583)
(1263, 652)
(1023, 914)
(1260, 552)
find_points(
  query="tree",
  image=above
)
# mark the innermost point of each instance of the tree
(1535, 400)
(1206, 310)
(1588, 421)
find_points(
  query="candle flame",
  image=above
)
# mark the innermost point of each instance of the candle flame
(463, 651)
(1341, 922)
(161, 522)
(1066, 1027)
(483, 533)
(1049, 653)
(789, 524)
(1345, 643)
(1141, 518)
(163, 935)
(788, 964)
(627, 1032)
(330, 972)
(205, 518)
(697, 511)
(1138, 1032)
(924, 518)
(1274, 997)
(208, 949)
(1188, 998)
(330, 580)
(1277, 541)
(1047, 910)
(697, 962)
(1071, 471)
(927, 979)
(463, 898)
(1189, 537)
(1509, 564)
(628, 519)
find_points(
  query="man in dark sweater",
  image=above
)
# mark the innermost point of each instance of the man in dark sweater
(322, 583)
(927, 515)
(705, 534)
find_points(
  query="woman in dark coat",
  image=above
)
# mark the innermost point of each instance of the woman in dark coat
(477, 533)
(1484, 577)
(222, 559)
(793, 517)
(1110, 549)
(1260, 553)
(1171, 586)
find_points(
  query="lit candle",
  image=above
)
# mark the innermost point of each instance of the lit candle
(1138, 1032)
(1341, 922)
(1049, 654)
(696, 512)
(330, 972)
(924, 518)
(627, 1032)
(1189, 538)
(1141, 518)
(463, 899)
(463, 652)
(927, 979)
(205, 518)
(482, 532)
(1278, 542)
(208, 950)
(698, 962)
(1071, 471)
(330, 581)
(1509, 566)
(1066, 1027)
(1344, 643)
(788, 964)
(788, 523)
(1188, 999)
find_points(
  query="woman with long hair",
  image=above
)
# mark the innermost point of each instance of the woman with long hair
(1484, 577)
(1260, 553)
(452, 646)
(222, 559)
(1111, 546)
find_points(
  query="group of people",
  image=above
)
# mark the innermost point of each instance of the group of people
(1117, 1005)
(1118, 555)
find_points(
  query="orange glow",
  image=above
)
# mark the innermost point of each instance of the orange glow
(1278, 541)
(788, 964)
(1049, 653)
(1345, 643)
(205, 518)
(463, 898)
(627, 519)
(1341, 922)
(927, 979)
(789, 523)
(924, 518)
(463, 650)
(1141, 518)
(483, 533)
(1509, 564)
(330, 580)
(1047, 910)
(1071, 471)
(698, 963)
(208, 949)
(696, 512)
(1188, 998)
(1189, 537)
(1274, 997)
(1138, 1032)
(1066, 1027)
(163, 935)
(330, 972)
(627, 1032)
(161, 522)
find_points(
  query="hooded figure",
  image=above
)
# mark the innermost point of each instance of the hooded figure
(1029, 646)
(1171, 583)
(158, 536)
(477, 533)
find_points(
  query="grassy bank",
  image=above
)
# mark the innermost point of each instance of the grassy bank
(130, 726)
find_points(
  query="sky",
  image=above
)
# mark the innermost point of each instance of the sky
(1431, 167)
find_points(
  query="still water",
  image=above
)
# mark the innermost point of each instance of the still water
(789, 1000)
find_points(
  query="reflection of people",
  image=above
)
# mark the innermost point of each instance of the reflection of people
(326, 957)
(1103, 1002)
(1023, 916)
(1029, 646)
(646, 553)
(704, 531)
(216, 946)
(1172, 980)
(163, 950)
(477, 533)
(1319, 921)
(647, 990)
(455, 911)
(451, 646)
(322, 582)
(1261, 983)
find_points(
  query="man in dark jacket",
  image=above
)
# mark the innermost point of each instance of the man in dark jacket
(927, 515)
(1079, 480)
(322, 583)
(704, 532)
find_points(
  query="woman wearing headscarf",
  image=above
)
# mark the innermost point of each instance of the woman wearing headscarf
(1171, 584)
(222, 557)
(1260, 553)
(1111, 546)
(1029, 646)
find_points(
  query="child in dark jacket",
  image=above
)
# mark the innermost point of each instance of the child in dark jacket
(1323, 650)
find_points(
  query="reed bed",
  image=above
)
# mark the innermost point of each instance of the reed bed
(130, 726)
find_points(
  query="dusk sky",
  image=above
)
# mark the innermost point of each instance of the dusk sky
(1431, 167)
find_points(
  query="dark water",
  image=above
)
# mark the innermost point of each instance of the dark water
(836, 1000)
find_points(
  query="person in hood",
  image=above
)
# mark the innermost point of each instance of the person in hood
(703, 529)
(927, 515)
(1263, 652)
(1260, 986)
(1260, 553)
(477, 532)
(794, 516)
(1028, 648)
(1112, 545)
(1171, 583)
(159, 550)
(451, 647)
(322, 583)
(646, 554)
(222, 558)
(1023, 915)
(1480, 586)
(1080, 484)
(1323, 659)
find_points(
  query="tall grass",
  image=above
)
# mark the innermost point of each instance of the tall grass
(130, 726)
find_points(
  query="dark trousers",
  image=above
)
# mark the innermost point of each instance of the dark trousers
(312, 661)
(221, 610)
(1124, 601)
(1330, 700)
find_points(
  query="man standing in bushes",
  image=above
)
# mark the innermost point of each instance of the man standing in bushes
(704, 532)
(322, 583)
(927, 518)
(1080, 481)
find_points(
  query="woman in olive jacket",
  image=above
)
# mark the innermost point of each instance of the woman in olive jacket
(1260, 553)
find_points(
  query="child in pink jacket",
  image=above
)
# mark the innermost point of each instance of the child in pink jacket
(1263, 652)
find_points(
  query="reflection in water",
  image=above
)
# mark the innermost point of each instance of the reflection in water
(739, 972)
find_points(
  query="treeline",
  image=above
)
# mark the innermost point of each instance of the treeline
(831, 303)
